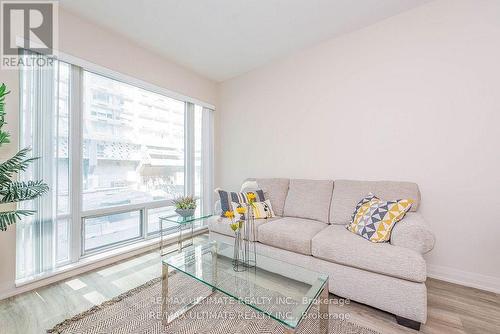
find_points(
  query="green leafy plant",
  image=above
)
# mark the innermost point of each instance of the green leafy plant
(12, 191)
(185, 202)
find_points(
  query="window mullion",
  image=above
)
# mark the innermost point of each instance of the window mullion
(76, 153)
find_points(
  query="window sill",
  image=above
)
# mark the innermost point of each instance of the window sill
(92, 262)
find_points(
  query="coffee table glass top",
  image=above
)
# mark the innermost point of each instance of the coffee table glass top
(278, 289)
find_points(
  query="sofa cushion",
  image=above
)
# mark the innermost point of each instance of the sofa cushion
(309, 199)
(275, 190)
(221, 225)
(347, 193)
(293, 234)
(336, 244)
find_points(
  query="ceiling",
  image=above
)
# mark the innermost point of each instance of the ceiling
(221, 39)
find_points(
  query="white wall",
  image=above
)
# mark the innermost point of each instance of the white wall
(415, 97)
(92, 43)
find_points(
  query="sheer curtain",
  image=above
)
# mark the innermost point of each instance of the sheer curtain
(36, 249)
(202, 164)
(207, 149)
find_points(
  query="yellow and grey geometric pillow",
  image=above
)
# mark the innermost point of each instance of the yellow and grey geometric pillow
(364, 200)
(373, 218)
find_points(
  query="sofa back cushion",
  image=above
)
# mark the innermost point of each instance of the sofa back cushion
(347, 194)
(275, 189)
(309, 199)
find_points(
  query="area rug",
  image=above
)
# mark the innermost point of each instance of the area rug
(138, 311)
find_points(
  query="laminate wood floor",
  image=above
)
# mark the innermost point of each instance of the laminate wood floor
(451, 308)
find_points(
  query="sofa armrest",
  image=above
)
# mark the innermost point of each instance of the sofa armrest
(412, 232)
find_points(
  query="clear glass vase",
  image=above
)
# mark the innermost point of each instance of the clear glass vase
(248, 239)
(238, 255)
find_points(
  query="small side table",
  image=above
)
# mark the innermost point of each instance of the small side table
(181, 223)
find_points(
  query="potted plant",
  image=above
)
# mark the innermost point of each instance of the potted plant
(185, 206)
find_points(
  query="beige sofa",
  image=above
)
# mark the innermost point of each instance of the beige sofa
(310, 231)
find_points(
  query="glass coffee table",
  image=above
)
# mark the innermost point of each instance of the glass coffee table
(181, 223)
(282, 291)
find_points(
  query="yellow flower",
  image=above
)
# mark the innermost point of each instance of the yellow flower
(241, 210)
(251, 197)
(229, 214)
(234, 226)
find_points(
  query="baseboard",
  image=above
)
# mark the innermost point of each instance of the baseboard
(470, 279)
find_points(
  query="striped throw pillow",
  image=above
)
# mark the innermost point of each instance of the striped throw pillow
(261, 210)
(227, 197)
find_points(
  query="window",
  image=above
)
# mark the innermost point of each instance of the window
(111, 229)
(136, 153)
(114, 153)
